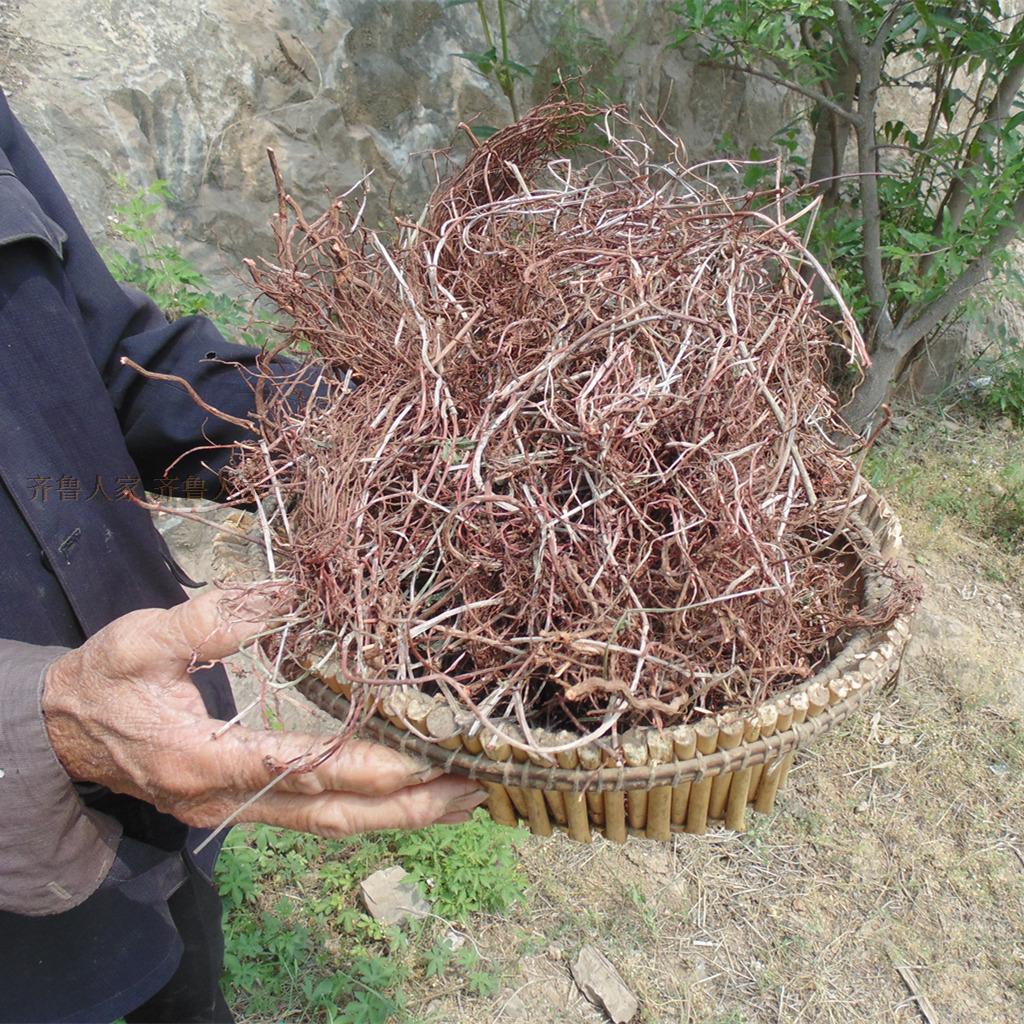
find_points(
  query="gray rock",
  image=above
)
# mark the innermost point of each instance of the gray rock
(390, 899)
(193, 93)
(931, 624)
(602, 984)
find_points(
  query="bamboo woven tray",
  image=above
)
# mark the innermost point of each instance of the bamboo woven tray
(659, 781)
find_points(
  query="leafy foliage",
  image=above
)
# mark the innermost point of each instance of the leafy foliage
(495, 62)
(160, 270)
(1007, 393)
(466, 870)
(932, 204)
(298, 944)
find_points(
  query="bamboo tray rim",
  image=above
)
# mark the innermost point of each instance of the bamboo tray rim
(527, 775)
(867, 658)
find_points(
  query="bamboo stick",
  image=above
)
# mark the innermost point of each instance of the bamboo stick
(769, 786)
(659, 799)
(730, 735)
(501, 801)
(684, 745)
(441, 727)
(838, 690)
(498, 750)
(736, 805)
(776, 775)
(444, 731)
(769, 717)
(417, 707)
(700, 792)
(634, 749)
(817, 701)
(575, 803)
(553, 798)
(498, 803)
(392, 706)
(614, 807)
(590, 759)
(331, 680)
(536, 807)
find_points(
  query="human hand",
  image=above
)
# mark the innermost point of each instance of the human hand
(121, 711)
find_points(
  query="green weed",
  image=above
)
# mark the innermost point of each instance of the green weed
(1007, 393)
(160, 270)
(465, 870)
(298, 944)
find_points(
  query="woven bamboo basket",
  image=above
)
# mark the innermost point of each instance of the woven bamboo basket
(657, 782)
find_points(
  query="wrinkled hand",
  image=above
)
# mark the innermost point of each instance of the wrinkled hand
(121, 710)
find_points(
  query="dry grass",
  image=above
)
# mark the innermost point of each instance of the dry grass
(900, 842)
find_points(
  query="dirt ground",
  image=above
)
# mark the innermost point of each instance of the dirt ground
(887, 887)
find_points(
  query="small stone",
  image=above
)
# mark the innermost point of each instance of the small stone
(555, 952)
(861, 808)
(455, 940)
(389, 898)
(603, 985)
(996, 489)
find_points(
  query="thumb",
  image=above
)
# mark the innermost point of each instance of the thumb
(217, 623)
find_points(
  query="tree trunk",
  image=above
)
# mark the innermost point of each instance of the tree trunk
(831, 135)
(861, 411)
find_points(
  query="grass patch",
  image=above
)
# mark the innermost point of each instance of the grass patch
(970, 471)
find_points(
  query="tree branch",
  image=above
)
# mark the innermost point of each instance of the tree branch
(958, 196)
(855, 47)
(915, 324)
(868, 60)
(811, 94)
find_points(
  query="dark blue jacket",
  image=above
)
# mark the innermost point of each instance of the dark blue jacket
(72, 559)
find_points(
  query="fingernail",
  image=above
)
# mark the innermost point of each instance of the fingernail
(454, 818)
(467, 801)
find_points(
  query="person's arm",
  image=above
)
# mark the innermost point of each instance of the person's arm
(159, 420)
(120, 710)
(55, 852)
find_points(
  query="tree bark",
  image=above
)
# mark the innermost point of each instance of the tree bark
(917, 323)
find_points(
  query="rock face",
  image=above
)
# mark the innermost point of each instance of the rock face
(194, 91)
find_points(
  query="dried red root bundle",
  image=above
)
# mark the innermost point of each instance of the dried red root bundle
(587, 474)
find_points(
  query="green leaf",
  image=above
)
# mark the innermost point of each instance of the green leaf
(483, 62)
(521, 69)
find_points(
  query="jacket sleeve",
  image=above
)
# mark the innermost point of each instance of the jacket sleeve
(56, 852)
(158, 419)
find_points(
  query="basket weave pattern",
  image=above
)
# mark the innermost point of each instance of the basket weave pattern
(659, 781)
